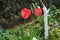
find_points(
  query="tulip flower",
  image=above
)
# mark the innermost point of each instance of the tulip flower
(25, 13)
(38, 11)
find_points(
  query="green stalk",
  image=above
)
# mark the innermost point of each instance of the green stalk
(31, 31)
(22, 34)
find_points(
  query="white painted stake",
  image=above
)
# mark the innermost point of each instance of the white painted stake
(45, 20)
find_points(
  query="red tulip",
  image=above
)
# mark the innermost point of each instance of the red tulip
(25, 13)
(38, 11)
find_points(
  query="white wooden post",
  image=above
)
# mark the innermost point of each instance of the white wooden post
(45, 20)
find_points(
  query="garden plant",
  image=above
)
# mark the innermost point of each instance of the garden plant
(29, 20)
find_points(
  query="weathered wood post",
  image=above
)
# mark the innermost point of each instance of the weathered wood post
(45, 10)
(46, 22)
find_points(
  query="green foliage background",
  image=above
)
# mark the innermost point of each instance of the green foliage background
(29, 30)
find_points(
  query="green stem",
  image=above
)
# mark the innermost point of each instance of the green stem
(31, 32)
(22, 34)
